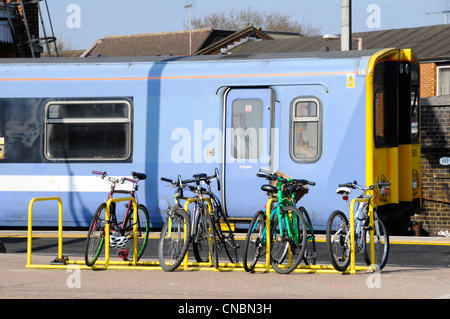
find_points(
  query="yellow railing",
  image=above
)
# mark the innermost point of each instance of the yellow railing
(352, 234)
(186, 207)
(107, 227)
(30, 225)
(266, 267)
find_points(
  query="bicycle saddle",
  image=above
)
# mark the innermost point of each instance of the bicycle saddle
(269, 189)
(200, 175)
(140, 176)
(344, 191)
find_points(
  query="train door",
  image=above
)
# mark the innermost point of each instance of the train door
(248, 147)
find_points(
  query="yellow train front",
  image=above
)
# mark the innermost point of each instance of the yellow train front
(393, 134)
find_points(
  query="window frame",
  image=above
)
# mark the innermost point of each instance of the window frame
(236, 155)
(307, 119)
(438, 78)
(81, 120)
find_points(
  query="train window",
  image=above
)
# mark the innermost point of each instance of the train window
(247, 121)
(380, 129)
(88, 130)
(385, 104)
(305, 130)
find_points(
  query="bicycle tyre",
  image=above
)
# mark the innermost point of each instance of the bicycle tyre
(143, 230)
(174, 239)
(212, 242)
(337, 240)
(381, 243)
(282, 247)
(310, 256)
(205, 245)
(255, 243)
(96, 236)
(225, 238)
(200, 246)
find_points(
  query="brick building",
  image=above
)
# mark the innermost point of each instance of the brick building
(435, 133)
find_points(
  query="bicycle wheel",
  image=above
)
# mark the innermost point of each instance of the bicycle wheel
(381, 244)
(174, 239)
(96, 236)
(255, 241)
(143, 228)
(288, 240)
(338, 240)
(310, 251)
(225, 236)
(204, 241)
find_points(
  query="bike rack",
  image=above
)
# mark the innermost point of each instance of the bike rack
(64, 261)
(186, 264)
(326, 268)
(30, 226)
(143, 265)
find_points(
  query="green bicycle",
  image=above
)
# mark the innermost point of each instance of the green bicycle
(288, 227)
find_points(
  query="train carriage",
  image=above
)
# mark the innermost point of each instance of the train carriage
(330, 117)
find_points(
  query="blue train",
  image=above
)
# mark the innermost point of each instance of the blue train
(329, 117)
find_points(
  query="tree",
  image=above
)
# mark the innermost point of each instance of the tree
(236, 20)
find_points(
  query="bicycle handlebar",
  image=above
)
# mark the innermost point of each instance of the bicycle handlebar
(355, 185)
(114, 181)
(274, 176)
(197, 179)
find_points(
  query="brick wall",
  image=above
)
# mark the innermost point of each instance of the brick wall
(435, 134)
(427, 79)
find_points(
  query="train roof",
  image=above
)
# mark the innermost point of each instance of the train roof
(220, 57)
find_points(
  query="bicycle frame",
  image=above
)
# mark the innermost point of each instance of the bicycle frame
(365, 200)
(107, 227)
(186, 207)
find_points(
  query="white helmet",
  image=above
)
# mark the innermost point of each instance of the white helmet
(118, 241)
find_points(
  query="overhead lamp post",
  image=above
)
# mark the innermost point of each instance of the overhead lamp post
(190, 29)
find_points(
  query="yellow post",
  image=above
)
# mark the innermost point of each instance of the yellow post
(268, 211)
(107, 226)
(186, 207)
(135, 221)
(372, 241)
(107, 215)
(352, 231)
(30, 225)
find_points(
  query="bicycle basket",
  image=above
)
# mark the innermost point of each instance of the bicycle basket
(291, 188)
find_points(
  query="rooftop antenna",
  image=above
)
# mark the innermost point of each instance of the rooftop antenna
(444, 12)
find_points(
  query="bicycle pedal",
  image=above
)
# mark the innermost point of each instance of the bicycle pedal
(368, 228)
(123, 253)
(237, 246)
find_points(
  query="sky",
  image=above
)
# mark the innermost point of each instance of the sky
(79, 23)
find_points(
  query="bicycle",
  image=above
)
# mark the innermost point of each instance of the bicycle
(338, 232)
(176, 232)
(223, 232)
(288, 227)
(121, 234)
